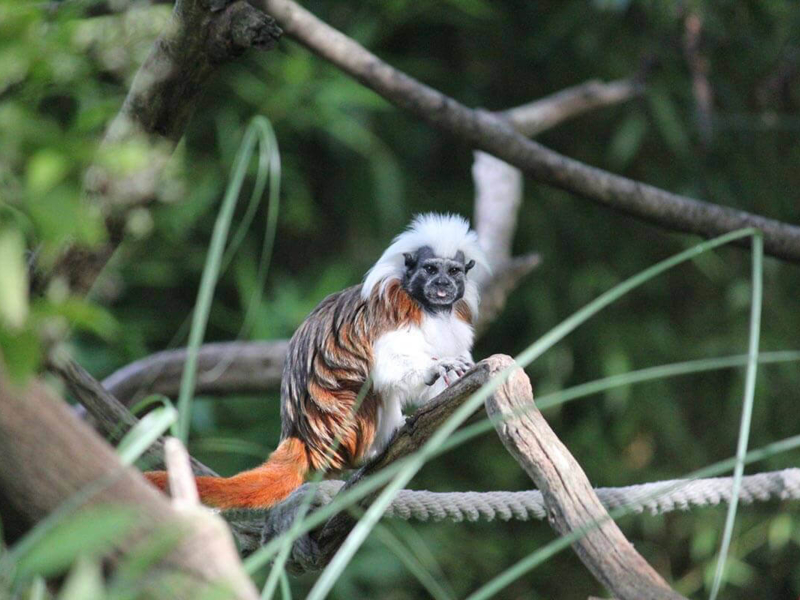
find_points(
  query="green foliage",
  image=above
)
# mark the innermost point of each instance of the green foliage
(355, 169)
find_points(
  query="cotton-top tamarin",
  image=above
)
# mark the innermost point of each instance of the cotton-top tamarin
(408, 326)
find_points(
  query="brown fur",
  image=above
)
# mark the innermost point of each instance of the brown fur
(328, 363)
(463, 311)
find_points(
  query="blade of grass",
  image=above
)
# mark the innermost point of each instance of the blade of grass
(535, 559)
(273, 205)
(361, 530)
(388, 539)
(258, 131)
(747, 410)
(422, 552)
(38, 589)
(152, 426)
(286, 590)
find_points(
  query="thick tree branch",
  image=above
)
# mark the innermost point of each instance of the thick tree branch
(493, 134)
(498, 196)
(572, 504)
(49, 456)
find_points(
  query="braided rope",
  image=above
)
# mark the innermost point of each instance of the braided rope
(657, 497)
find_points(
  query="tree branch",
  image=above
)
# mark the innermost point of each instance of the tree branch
(222, 368)
(572, 504)
(504, 280)
(49, 456)
(540, 115)
(493, 134)
(113, 419)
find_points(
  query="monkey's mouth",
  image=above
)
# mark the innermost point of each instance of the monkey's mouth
(440, 296)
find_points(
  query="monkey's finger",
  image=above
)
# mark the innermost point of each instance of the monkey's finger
(443, 374)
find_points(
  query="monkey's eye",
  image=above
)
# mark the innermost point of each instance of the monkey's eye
(430, 269)
(454, 271)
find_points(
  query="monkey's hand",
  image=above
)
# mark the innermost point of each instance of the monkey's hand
(448, 369)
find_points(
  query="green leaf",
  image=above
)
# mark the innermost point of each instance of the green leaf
(90, 532)
(20, 352)
(626, 141)
(669, 123)
(81, 314)
(13, 279)
(780, 531)
(46, 169)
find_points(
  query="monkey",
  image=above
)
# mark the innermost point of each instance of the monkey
(362, 355)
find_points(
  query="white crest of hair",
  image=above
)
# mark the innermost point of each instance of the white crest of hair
(446, 234)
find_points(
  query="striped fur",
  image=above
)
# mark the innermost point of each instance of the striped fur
(329, 361)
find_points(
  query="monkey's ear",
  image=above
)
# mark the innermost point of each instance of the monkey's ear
(468, 266)
(411, 260)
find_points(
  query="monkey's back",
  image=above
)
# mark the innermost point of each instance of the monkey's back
(328, 362)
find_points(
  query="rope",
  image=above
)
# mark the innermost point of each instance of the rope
(657, 497)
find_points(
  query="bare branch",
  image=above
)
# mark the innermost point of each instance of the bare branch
(491, 133)
(572, 504)
(50, 457)
(497, 290)
(535, 117)
(113, 419)
(222, 368)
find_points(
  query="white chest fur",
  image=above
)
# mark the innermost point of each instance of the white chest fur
(446, 335)
(404, 356)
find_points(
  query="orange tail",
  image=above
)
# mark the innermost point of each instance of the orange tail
(262, 487)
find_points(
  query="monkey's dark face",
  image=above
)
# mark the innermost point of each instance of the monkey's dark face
(433, 281)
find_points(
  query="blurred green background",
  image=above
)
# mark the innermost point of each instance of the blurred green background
(355, 169)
